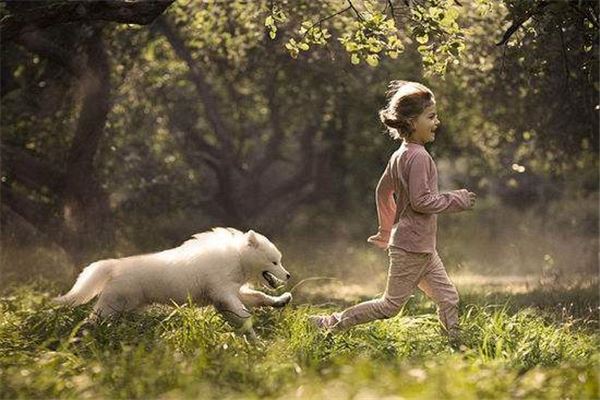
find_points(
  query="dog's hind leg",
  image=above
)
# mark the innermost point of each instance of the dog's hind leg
(111, 303)
(234, 312)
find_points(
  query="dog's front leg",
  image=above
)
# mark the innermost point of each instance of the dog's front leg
(253, 298)
(234, 312)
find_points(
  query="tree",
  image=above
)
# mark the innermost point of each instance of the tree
(244, 113)
(66, 202)
(535, 92)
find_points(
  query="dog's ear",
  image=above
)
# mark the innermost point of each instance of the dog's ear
(252, 238)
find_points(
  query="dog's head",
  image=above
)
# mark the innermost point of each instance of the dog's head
(262, 259)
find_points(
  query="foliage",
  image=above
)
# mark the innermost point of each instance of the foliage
(368, 31)
(510, 128)
(533, 86)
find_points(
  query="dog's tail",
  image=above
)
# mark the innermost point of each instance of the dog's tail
(89, 283)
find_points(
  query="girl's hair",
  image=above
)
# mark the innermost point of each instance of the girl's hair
(406, 101)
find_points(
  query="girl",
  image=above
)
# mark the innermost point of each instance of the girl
(408, 202)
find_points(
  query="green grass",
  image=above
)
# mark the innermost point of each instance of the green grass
(516, 347)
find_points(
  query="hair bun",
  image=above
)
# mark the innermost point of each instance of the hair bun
(392, 123)
(388, 119)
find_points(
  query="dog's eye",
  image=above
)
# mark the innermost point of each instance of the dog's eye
(274, 262)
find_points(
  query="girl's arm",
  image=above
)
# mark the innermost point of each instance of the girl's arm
(386, 209)
(423, 200)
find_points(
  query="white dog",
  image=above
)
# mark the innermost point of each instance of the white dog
(213, 267)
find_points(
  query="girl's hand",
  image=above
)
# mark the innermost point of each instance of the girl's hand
(472, 198)
(379, 241)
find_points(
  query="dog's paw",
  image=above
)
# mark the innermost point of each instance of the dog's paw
(283, 300)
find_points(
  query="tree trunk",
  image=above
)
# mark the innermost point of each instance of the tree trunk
(88, 223)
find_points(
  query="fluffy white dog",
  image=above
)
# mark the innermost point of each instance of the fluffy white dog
(213, 267)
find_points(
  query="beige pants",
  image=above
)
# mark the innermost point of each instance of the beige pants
(407, 271)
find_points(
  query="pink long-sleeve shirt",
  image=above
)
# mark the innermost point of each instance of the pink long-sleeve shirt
(408, 200)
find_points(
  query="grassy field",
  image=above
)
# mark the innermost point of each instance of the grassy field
(539, 344)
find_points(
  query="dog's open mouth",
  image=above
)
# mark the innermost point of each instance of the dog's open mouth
(272, 280)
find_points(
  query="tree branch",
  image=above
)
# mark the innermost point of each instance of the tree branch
(277, 134)
(305, 170)
(7, 81)
(355, 10)
(586, 14)
(7, 213)
(42, 14)
(350, 7)
(33, 212)
(209, 100)
(31, 171)
(224, 171)
(191, 141)
(565, 60)
(35, 42)
(517, 24)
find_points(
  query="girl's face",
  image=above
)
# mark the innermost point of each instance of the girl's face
(425, 125)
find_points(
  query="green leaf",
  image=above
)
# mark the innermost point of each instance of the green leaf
(423, 39)
(390, 24)
(372, 60)
(354, 59)
(423, 49)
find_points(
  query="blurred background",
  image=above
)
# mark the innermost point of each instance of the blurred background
(125, 132)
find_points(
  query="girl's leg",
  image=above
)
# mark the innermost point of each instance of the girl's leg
(436, 285)
(405, 271)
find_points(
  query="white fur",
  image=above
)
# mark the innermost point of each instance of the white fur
(213, 267)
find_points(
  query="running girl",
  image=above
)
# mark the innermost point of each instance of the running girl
(408, 202)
